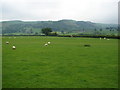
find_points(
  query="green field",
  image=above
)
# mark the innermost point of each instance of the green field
(0, 62)
(65, 63)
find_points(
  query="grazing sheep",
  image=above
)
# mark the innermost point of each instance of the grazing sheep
(71, 35)
(87, 45)
(13, 47)
(104, 37)
(7, 42)
(108, 39)
(46, 44)
(100, 38)
(49, 42)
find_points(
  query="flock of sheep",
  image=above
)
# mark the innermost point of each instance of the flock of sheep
(48, 43)
(104, 38)
(14, 47)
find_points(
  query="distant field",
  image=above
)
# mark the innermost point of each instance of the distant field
(66, 63)
(90, 32)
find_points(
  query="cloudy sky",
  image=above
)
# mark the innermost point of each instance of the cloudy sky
(101, 11)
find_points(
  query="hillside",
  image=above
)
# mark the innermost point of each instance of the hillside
(58, 26)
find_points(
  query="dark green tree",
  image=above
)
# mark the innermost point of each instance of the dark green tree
(36, 33)
(95, 29)
(62, 32)
(46, 31)
(31, 31)
(100, 29)
(83, 29)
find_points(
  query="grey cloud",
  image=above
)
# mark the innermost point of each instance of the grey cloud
(104, 12)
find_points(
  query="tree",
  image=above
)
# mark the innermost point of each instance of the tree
(100, 29)
(95, 29)
(36, 33)
(83, 30)
(31, 31)
(53, 34)
(62, 32)
(46, 31)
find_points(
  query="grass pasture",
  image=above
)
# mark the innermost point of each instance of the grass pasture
(66, 63)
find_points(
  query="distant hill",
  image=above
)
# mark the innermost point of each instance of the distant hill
(61, 25)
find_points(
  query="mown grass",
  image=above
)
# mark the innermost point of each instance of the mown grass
(66, 63)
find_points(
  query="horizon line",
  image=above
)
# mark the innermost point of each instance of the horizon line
(54, 20)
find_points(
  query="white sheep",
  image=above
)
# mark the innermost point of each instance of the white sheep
(104, 37)
(100, 38)
(7, 42)
(49, 42)
(13, 47)
(71, 35)
(46, 44)
(108, 39)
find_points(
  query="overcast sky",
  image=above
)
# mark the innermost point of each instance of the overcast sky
(100, 11)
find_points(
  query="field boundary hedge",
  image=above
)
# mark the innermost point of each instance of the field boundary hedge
(89, 36)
